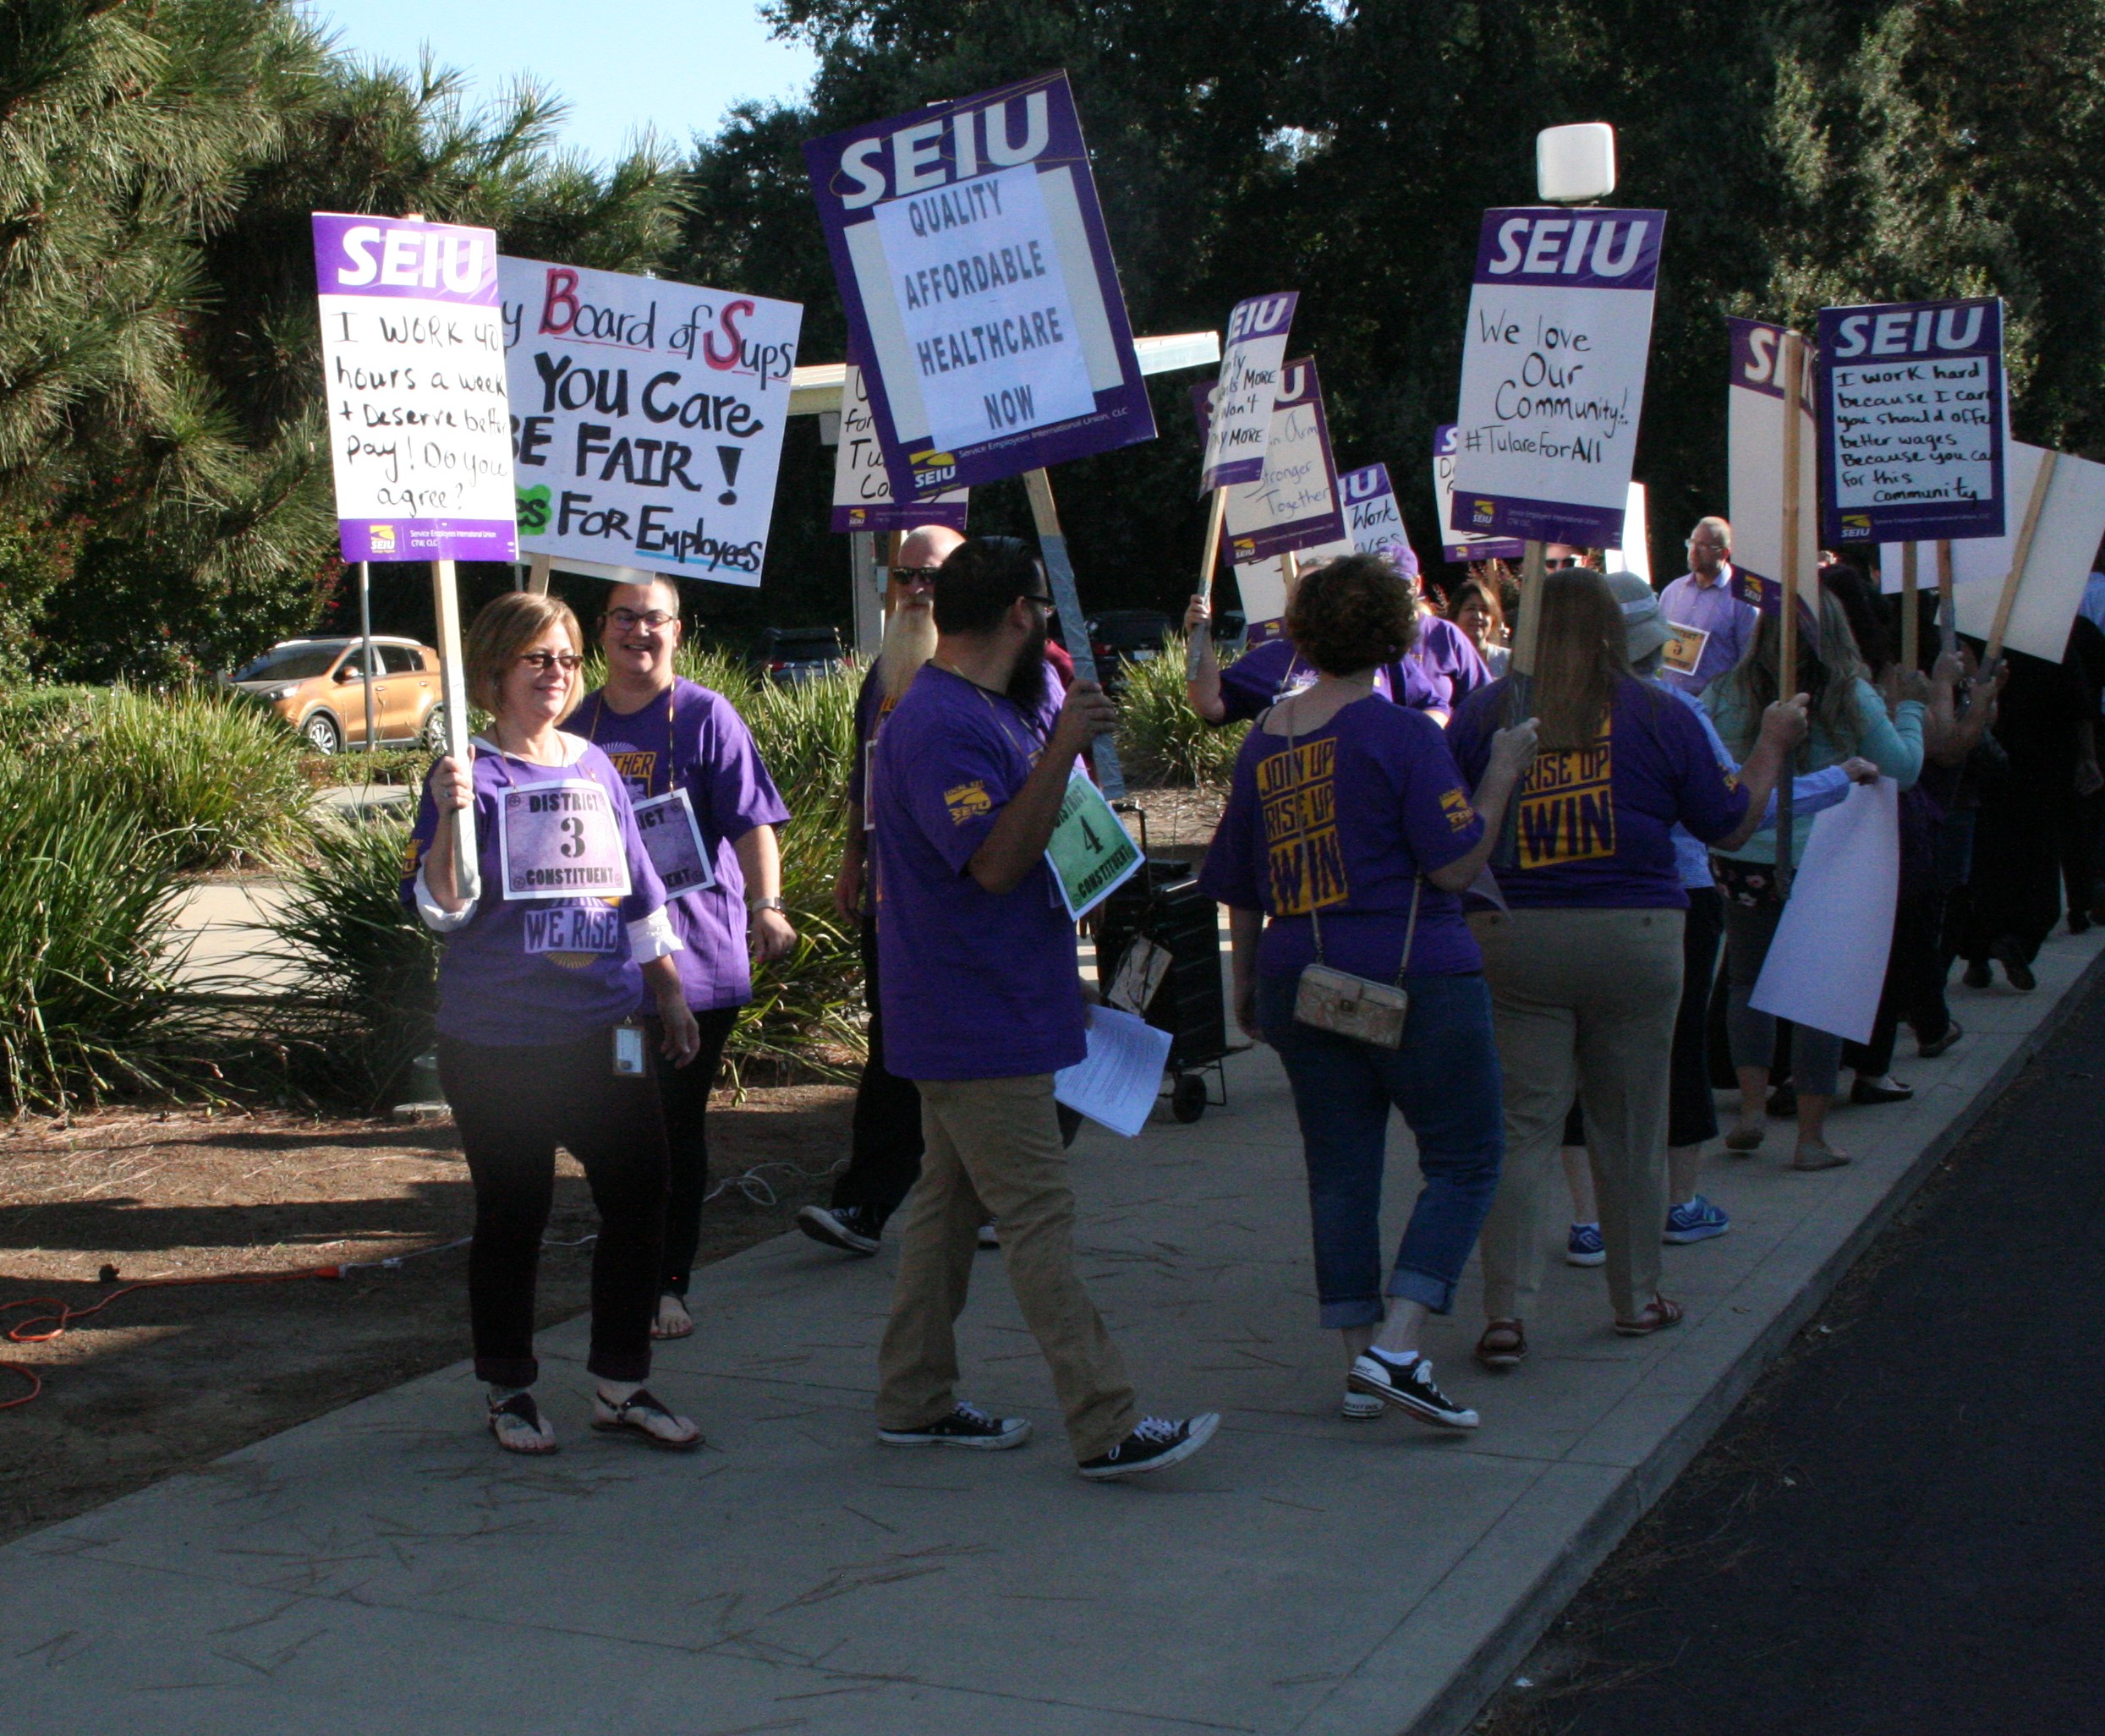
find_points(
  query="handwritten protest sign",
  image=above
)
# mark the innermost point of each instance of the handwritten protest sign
(1462, 545)
(1294, 503)
(1755, 402)
(647, 418)
(1911, 421)
(1373, 519)
(413, 350)
(981, 294)
(1554, 372)
(1240, 423)
(862, 486)
(2050, 590)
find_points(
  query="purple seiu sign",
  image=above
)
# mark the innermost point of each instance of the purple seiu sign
(1294, 504)
(1240, 416)
(1911, 408)
(979, 287)
(420, 427)
(1553, 377)
(1373, 520)
(1463, 546)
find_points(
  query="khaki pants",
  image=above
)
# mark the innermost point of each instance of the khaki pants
(993, 1145)
(1581, 1000)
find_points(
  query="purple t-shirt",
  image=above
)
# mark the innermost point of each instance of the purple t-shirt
(1436, 674)
(1596, 825)
(975, 985)
(522, 972)
(1348, 819)
(694, 737)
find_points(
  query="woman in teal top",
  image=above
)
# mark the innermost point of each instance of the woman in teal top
(1849, 720)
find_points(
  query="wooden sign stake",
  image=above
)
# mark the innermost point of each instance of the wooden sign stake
(1911, 616)
(2019, 557)
(1526, 631)
(1794, 366)
(1947, 605)
(454, 696)
(1216, 514)
(1074, 633)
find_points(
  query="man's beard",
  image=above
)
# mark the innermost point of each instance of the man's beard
(1026, 681)
(909, 642)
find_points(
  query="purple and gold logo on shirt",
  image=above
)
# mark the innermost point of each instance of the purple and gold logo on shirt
(573, 935)
(636, 766)
(1567, 807)
(1460, 816)
(1297, 795)
(967, 802)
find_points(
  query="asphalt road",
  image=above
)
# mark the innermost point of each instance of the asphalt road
(1902, 1530)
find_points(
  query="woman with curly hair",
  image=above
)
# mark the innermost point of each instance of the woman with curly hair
(1347, 839)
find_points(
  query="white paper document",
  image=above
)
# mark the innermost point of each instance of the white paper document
(1115, 1084)
(1826, 965)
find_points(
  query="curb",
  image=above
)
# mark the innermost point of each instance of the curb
(1489, 1667)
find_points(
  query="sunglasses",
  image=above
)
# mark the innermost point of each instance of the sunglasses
(540, 662)
(911, 576)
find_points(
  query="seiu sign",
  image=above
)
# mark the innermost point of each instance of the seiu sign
(1586, 249)
(956, 147)
(1913, 330)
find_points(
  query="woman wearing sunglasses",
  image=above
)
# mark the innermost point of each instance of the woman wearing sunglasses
(538, 981)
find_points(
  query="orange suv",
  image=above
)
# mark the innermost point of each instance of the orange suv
(314, 685)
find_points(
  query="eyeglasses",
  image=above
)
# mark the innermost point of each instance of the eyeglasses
(540, 662)
(1558, 563)
(1038, 598)
(911, 576)
(627, 619)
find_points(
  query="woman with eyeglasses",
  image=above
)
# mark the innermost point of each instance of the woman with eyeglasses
(538, 982)
(707, 810)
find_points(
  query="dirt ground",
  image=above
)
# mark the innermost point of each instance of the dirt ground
(169, 1379)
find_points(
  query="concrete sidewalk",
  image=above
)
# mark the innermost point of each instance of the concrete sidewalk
(385, 1568)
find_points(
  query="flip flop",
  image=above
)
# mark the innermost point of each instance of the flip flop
(1811, 1158)
(517, 1426)
(1745, 1139)
(1506, 1355)
(632, 1417)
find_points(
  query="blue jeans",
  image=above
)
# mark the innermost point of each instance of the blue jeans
(1445, 1080)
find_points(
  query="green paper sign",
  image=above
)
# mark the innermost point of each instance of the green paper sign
(1091, 855)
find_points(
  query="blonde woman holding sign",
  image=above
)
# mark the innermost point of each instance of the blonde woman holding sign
(539, 1046)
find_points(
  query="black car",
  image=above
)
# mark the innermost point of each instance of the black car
(796, 653)
(1119, 637)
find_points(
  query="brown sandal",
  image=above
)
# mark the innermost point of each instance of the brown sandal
(1512, 1349)
(1657, 1316)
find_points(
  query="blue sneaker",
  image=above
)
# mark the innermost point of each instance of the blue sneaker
(1584, 1246)
(1697, 1221)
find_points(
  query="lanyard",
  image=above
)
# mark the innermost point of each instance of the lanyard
(592, 735)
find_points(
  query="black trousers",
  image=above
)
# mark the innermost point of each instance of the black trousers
(513, 1107)
(885, 1150)
(1915, 984)
(683, 1095)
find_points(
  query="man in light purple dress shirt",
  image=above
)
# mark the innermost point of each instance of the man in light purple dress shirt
(1701, 598)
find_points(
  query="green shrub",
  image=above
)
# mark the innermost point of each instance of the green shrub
(85, 904)
(1161, 740)
(384, 765)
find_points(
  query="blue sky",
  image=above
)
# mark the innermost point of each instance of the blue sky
(674, 65)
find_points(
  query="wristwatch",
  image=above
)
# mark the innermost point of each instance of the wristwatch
(755, 905)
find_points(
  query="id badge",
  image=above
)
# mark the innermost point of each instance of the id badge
(629, 1060)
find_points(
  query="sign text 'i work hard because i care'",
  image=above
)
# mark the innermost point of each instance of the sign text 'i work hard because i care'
(1911, 421)
(1554, 372)
(647, 418)
(412, 353)
(982, 299)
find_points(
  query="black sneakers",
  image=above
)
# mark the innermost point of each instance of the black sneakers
(1156, 1443)
(1408, 1386)
(966, 1425)
(854, 1229)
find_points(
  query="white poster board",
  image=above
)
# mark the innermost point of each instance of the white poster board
(1239, 424)
(862, 486)
(1827, 966)
(1553, 372)
(1754, 433)
(2071, 522)
(1635, 554)
(648, 418)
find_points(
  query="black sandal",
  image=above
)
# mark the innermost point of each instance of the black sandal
(630, 1417)
(521, 1407)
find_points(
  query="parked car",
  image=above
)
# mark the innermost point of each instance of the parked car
(1119, 637)
(314, 686)
(796, 653)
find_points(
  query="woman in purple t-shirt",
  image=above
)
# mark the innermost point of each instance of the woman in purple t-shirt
(1584, 962)
(1348, 826)
(541, 975)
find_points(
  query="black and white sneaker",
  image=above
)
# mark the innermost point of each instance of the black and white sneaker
(1407, 1384)
(854, 1229)
(966, 1425)
(1156, 1443)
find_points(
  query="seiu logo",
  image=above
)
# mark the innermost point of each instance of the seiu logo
(995, 137)
(1542, 246)
(1911, 331)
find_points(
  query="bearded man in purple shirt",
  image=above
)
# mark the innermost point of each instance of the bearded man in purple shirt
(1701, 601)
(982, 1005)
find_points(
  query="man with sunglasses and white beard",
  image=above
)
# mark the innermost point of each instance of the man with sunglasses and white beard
(708, 811)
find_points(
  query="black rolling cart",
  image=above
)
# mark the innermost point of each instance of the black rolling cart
(1163, 906)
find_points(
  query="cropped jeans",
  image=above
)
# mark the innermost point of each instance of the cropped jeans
(1445, 1080)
